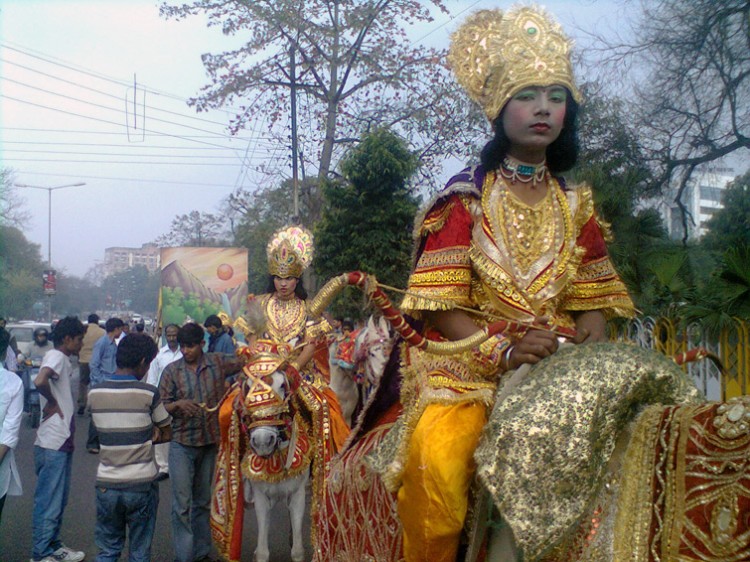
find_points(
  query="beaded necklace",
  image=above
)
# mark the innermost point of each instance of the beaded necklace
(514, 170)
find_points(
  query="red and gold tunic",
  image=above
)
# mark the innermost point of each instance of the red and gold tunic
(481, 248)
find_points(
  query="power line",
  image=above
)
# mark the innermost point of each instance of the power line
(67, 131)
(108, 122)
(450, 19)
(121, 179)
(131, 163)
(127, 146)
(77, 68)
(107, 94)
(79, 153)
(100, 106)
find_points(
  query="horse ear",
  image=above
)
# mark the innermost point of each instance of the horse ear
(383, 325)
(371, 322)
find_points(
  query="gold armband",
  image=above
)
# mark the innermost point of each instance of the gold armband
(491, 352)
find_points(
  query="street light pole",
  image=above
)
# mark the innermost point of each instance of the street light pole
(49, 191)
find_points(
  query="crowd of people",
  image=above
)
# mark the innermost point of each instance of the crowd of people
(140, 398)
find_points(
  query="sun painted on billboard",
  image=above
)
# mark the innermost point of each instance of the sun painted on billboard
(198, 282)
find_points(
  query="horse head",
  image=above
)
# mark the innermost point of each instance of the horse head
(373, 347)
(266, 390)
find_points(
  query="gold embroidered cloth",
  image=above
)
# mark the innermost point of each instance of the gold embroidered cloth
(545, 450)
(686, 485)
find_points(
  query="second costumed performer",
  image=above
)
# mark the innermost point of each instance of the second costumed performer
(278, 318)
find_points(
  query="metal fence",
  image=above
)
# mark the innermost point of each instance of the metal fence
(732, 347)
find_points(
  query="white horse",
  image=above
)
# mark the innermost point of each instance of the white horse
(372, 348)
(343, 383)
(271, 446)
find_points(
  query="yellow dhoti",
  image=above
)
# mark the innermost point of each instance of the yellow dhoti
(433, 497)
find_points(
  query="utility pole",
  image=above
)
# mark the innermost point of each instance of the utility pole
(50, 272)
(295, 178)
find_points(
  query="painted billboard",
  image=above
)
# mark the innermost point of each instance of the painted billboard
(198, 282)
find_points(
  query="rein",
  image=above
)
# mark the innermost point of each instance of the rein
(218, 404)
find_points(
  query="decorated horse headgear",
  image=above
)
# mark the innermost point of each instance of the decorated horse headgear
(495, 55)
(264, 358)
(290, 251)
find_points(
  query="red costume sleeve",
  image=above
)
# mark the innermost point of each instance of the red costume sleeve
(442, 275)
(597, 286)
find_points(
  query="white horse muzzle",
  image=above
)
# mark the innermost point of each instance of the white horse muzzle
(264, 440)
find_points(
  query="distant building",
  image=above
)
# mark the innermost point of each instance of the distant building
(119, 259)
(702, 198)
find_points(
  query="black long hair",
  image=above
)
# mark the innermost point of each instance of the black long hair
(562, 154)
(299, 290)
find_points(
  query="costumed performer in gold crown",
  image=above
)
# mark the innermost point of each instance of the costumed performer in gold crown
(284, 307)
(507, 237)
(278, 319)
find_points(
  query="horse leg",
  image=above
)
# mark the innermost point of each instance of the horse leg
(263, 515)
(296, 503)
(247, 489)
(345, 388)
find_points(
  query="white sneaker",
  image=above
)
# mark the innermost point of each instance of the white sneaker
(65, 554)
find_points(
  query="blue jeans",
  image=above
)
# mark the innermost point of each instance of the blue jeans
(191, 471)
(121, 511)
(50, 498)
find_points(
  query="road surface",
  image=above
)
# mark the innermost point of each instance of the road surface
(80, 515)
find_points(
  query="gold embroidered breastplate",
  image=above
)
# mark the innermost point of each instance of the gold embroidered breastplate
(523, 255)
(530, 232)
(286, 318)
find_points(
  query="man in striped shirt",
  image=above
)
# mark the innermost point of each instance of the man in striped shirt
(129, 417)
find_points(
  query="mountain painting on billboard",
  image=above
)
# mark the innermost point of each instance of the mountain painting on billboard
(198, 282)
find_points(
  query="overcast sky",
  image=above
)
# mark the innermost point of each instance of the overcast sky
(67, 70)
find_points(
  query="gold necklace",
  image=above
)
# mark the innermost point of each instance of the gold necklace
(286, 318)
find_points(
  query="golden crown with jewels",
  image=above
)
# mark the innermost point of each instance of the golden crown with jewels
(290, 251)
(496, 54)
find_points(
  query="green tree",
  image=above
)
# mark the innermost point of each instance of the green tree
(367, 218)
(76, 296)
(136, 287)
(726, 295)
(730, 226)
(196, 229)
(20, 274)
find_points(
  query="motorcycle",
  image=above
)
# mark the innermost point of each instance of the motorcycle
(32, 403)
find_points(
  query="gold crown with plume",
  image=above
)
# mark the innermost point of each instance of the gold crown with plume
(495, 55)
(290, 251)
